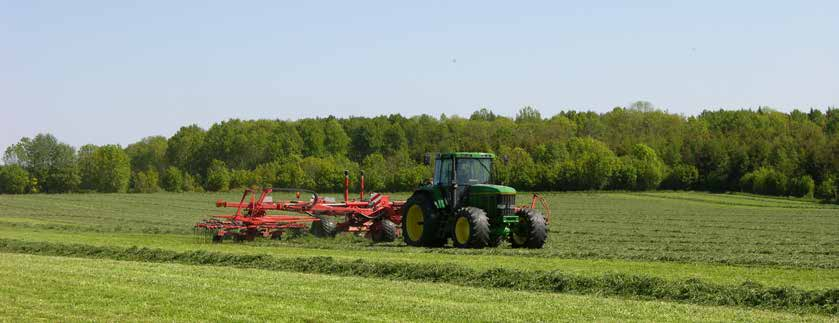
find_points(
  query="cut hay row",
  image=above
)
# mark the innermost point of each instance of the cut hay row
(694, 291)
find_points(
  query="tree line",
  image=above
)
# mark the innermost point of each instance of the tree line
(628, 148)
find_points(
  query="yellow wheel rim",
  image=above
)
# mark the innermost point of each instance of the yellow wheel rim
(414, 222)
(461, 230)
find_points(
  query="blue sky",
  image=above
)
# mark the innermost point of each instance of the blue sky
(116, 71)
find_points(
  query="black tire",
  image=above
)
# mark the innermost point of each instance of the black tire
(250, 234)
(476, 225)
(495, 241)
(325, 228)
(424, 234)
(294, 233)
(385, 233)
(277, 235)
(216, 237)
(531, 232)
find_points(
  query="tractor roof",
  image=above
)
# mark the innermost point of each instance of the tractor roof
(464, 155)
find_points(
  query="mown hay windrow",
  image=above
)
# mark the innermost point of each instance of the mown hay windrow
(695, 291)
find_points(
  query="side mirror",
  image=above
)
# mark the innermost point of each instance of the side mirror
(426, 159)
(505, 159)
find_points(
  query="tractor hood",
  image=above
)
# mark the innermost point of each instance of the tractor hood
(488, 189)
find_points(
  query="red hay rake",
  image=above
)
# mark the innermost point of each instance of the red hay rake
(378, 218)
(538, 202)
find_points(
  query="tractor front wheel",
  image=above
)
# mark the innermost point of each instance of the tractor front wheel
(471, 228)
(531, 231)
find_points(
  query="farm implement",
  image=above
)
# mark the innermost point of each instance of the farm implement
(460, 203)
(377, 217)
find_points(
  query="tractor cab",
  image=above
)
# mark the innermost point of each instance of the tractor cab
(463, 171)
(462, 204)
(455, 173)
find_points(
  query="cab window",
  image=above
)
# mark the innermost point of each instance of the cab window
(442, 172)
(473, 171)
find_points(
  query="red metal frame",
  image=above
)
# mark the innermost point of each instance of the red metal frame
(539, 202)
(252, 218)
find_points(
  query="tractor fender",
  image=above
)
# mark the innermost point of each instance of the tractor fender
(432, 194)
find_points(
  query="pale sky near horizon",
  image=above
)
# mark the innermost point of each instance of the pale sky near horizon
(117, 71)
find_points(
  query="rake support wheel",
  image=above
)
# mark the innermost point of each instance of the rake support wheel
(385, 232)
(325, 228)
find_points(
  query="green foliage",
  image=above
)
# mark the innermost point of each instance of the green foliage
(337, 141)
(528, 114)
(173, 179)
(240, 178)
(625, 176)
(483, 115)
(368, 138)
(590, 166)
(326, 174)
(51, 163)
(112, 169)
(284, 172)
(828, 189)
(145, 181)
(803, 186)
(218, 177)
(13, 180)
(650, 168)
(635, 148)
(765, 180)
(411, 177)
(313, 134)
(395, 173)
(642, 106)
(376, 172)
(519, 170)
(681, 177)
(246, 144)
(87, 167)
(394, 139)
(191, 184)
(183, 148)
(148, 153)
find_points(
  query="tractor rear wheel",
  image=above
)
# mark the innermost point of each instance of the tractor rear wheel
(531, 232)
(420, 222)
(471, 228)
(325, 228)
(386, 232)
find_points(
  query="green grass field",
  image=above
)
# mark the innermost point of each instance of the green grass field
(725, 241)
(60, 289)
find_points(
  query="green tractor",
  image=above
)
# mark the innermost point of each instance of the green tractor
(461, 203)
